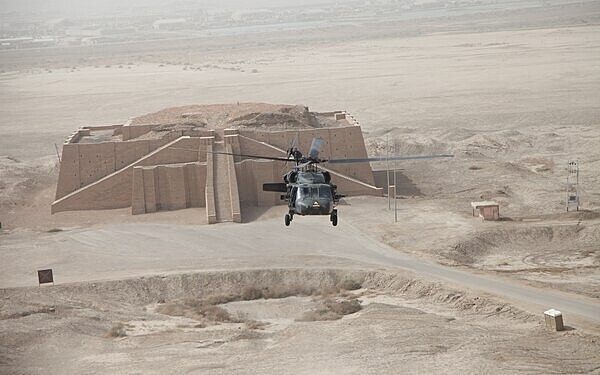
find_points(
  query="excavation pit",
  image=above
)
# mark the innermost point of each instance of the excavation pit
(278, 320)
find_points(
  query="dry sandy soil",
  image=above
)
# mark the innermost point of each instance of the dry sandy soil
(514, 96)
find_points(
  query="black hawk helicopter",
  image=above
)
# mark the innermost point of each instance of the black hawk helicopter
(308, 189)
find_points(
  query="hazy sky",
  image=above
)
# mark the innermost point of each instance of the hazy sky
(84, 8)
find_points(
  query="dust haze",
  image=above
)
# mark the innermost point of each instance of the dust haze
(510, 88)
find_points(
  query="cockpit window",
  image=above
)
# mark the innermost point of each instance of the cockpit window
(319, 191)
(325, 191)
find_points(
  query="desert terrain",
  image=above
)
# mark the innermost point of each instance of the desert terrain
(511, 91)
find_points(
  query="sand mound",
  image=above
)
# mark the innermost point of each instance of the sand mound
(564, 256)
(215, 288)
(545, 245)
(19, 179)
(223, 116)
(115, 326)
(405, 141)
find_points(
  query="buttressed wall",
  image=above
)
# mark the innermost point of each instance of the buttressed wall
(171, 165)
(168, 187)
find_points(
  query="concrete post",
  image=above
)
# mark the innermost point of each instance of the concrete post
(554, 320)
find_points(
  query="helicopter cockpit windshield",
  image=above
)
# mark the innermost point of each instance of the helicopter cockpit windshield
(315, 191)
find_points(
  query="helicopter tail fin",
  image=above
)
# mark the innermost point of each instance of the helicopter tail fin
(315, 148)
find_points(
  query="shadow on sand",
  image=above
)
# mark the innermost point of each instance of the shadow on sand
(405, 185)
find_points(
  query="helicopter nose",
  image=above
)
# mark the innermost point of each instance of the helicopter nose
(315, 206)
(324, 203)
(320, 205)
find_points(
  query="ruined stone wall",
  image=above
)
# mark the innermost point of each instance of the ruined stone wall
(130, 131)
(146, 175)
(168, 187)
(251, 174)
(84, 163)
(340, 143)
(250, 146)
(348, 143)
(114, 190)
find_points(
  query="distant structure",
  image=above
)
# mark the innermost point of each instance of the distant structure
(26, 42)
(169, 24)
(167, 161)
(488, 210)
(572, 193)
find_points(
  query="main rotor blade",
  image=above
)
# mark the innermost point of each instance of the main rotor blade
(294, 142)
(383, 158)
(251, 156)
(315, 148)
(275, 186)
(231, 153)
(290, 150)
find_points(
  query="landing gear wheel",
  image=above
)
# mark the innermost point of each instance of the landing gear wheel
(333, 219)
(288, 220)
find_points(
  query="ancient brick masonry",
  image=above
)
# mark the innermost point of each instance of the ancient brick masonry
(160, 161)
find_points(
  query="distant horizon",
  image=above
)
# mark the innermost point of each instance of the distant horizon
(89, 7)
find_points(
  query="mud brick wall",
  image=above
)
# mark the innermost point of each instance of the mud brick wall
(85, 163)
(251, 174)
(168, 187)
(115, 190)
(340, 143)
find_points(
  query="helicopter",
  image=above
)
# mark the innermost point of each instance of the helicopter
(308, 189)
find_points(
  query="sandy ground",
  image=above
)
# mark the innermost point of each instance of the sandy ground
(514, 100)
(404, 325)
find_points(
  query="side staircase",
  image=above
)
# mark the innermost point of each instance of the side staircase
(223, 189)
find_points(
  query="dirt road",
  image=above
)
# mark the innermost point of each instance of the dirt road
(122, 251)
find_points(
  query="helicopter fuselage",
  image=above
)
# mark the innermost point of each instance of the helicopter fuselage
(311, 199)
(309, 192)
(308, 189)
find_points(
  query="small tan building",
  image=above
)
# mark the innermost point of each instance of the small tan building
(488, 210)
